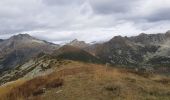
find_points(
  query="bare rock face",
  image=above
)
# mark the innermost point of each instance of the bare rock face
(77, 43)
(154, 39)
(141, 50)
(20, 48)
(167, 34)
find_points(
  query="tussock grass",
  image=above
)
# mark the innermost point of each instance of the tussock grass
(85, 81)
(8, 87)
(33, 87)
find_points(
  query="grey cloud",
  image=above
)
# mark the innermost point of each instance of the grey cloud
(31, 15)
(62, 2)
(9, 26)
(128, 9)
(80, 18)
(18, 16)
(111, 6)
(159, 15)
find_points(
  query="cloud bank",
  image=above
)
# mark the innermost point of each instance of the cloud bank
(89, 20)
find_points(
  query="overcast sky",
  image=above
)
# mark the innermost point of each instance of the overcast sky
(90, 20)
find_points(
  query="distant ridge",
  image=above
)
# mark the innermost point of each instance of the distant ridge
(77, 43)
(20, 48)
(74, 53)
(135, 51)
(141, 50)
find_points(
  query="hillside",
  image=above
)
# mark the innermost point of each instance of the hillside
(74, 53)
(136, 51)
(86, 81)
(20, 48)
(45, 63)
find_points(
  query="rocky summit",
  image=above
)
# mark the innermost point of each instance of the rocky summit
(141, 50)
(20, 48)
(79, 44)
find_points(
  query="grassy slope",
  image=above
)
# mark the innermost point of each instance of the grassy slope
(73, 53)
(85, 81)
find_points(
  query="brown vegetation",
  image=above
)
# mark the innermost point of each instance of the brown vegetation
(32, 87)
(84, 81)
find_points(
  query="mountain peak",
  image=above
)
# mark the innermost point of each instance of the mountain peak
(118, 39)
(142, 34)
(22, 36)
(20, 48)
(75, 40)
(77, 43)
(168, 33)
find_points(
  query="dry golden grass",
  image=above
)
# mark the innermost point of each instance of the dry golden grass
(20, 90)
(85, 81)
(7, 88)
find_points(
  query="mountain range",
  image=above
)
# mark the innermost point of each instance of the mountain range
(141, 50)
(136, 51)
(123, 68)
